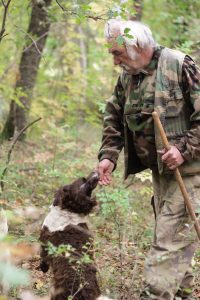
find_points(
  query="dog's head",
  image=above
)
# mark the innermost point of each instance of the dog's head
(77, 196)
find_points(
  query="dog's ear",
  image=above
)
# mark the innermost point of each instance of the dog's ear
(56, 201)
(66, 189)
(61, 195)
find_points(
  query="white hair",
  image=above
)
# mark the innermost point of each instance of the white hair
(139, 34)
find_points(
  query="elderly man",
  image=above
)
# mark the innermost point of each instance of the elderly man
(156, 78)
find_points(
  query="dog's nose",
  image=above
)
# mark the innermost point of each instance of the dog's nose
(95, 175)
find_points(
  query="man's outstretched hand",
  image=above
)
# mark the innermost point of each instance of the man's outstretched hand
(105, 168)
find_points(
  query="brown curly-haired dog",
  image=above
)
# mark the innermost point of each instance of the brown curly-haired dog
(74, 274)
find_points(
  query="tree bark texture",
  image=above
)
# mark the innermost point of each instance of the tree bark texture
(137, 5)
(3, 29)
(36, 37)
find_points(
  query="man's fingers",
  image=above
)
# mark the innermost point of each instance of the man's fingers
(171, 166)
(105, 179)
(104, 182)
(165, 156)
(172, 157)
(164, 153)
(161, 151)
(105, 168)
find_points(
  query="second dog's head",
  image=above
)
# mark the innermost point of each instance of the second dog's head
(77, 196)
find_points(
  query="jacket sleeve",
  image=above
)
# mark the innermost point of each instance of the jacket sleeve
(113, 127)
(189, 145)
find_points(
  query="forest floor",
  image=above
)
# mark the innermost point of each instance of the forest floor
(122, 224)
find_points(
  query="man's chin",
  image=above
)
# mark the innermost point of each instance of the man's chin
(131, 71)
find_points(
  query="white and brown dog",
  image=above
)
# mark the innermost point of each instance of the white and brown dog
(66, 224)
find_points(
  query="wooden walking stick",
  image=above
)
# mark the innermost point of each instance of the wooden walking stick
(178, 175)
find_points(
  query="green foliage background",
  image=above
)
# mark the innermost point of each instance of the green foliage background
(75, 78)
(76, 73)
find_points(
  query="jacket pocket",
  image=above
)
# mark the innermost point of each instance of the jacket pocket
(174, 103)
(131, 115)
(130, 109)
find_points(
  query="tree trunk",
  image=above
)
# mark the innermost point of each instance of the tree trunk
(137, 5)
(83, 58)
(36, 37)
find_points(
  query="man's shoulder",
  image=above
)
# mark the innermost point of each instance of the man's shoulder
(172, 54)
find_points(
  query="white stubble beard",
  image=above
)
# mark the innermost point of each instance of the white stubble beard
(134, 56)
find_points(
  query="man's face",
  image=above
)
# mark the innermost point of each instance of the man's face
(120, 57)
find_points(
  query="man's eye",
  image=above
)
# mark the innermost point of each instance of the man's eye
(116, 53)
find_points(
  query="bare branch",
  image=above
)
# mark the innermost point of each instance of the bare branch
(11, 149)
(8, 3)
(30, 37)
(3, 36)
(60, 6)
(35, 42)
(3, 29)
(3, 3)
(71, 12)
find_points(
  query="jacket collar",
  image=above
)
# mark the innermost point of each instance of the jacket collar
(154, 61)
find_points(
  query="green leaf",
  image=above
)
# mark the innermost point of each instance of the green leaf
(120, 40)
(86, 7)
(188, 290)
(107, 45)
(110, 14)
(102, 107)
(126, 30)
(17, 101)
(116, 14)
(130, 36)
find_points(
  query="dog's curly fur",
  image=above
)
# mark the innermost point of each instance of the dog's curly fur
(72, 276)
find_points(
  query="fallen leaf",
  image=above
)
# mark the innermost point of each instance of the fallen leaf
(39, 284)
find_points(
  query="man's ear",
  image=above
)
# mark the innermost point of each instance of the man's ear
(137, 48)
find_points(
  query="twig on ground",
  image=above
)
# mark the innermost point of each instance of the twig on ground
(131, 182)
(28, 169)
(11, 149)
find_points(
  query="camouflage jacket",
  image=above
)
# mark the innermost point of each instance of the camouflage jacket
(179, 112)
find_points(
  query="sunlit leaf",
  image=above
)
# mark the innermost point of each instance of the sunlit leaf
(126, 30)
(39, 284)
(120, 40)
